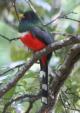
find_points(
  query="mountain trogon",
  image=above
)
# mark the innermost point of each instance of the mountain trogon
(36, 39)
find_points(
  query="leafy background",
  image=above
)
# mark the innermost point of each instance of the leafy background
(14, 52)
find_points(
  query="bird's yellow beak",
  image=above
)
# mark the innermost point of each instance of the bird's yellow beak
(21, 15)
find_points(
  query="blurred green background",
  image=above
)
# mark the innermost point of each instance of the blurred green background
(13, 53)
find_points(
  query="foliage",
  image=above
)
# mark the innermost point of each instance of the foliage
(12, 52)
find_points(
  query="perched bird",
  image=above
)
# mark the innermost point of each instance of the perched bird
(36, 39)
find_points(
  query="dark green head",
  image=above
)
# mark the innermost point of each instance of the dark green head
(28, 21)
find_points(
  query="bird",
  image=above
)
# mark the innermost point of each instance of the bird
(36, 38)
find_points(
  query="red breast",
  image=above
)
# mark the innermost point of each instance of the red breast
(32, 42)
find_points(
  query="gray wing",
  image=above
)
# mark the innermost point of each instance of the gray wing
(42, 35)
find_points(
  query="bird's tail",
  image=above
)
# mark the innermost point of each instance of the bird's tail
(44, 83)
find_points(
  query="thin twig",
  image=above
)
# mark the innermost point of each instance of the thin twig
(67, 98)
(2, 36)
(14, 5)
(71, 102)
(72, 93)
(62, 16)
(74, 109)
(64, 34)
(68, 107)
(63, 103)
(10, 40)
(30, 107)
(65, 17)
(5, 72)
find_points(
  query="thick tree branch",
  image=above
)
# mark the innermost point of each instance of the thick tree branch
(54, 46)
(30, 98)
(72, 57)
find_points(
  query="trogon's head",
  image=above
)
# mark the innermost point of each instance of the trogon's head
(28, 21)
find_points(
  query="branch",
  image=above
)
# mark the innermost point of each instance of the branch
(10, 40)
(63, 102)
(63, 73)
(31, 98)
(30, 107)
(65, 17)
(17, 77)
(69, 103)
(6, 38)
(64, 34)
(62, 16)
(12, 68)
(58, 17)
(52, 47)
(14, 5)
(53, 33)
(68, 107)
